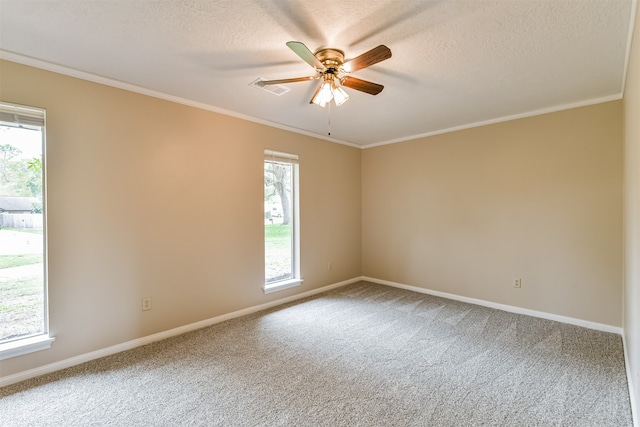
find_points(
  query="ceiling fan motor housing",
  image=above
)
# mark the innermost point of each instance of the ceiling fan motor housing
(331, 58)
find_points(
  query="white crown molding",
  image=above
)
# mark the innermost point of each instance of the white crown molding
(83, 75)
(627, 56)
(501, 119)
(37, 63)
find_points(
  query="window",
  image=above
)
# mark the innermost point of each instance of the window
(281, 221)
(23, 291)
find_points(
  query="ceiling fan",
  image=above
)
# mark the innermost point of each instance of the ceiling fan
(334, 72)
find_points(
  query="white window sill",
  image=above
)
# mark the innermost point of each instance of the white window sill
(279, 286)
(25, 346)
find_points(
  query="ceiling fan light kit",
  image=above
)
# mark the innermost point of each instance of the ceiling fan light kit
(333, 71)
(327, 91)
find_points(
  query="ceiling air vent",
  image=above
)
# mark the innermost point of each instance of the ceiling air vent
(274, 89)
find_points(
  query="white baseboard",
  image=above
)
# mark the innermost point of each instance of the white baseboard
(631, 383)
(519, 310)
(25, 375)
(510, 308)
(32, 373)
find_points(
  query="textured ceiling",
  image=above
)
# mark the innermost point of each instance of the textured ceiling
(454, 63)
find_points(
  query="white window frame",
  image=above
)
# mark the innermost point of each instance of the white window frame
(278, 156)
(32, 118)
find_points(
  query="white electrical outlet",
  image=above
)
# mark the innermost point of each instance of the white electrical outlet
(517, 283)
(146, 303)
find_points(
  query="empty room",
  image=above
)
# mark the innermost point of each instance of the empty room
(446, 231)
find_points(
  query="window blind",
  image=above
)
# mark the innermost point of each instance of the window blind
(21, 116)
(279, 156)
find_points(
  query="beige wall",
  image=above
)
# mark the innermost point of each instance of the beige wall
(538, 198)
(153, 198)
(632, 211)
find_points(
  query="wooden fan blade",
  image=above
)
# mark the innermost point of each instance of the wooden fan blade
(307, 56)
(281, 81)
(361, 85)
(367, 59)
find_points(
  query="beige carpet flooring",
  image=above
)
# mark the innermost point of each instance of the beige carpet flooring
(361, 355)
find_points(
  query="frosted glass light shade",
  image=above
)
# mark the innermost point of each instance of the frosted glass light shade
(339, 95)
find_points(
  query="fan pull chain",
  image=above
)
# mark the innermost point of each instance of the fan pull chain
(329, 124)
